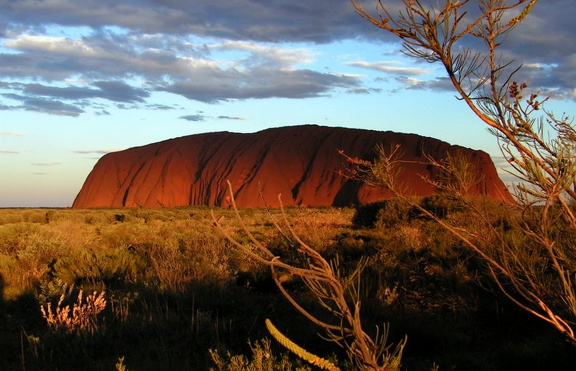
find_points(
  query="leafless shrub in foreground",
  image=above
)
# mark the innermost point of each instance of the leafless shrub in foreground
(339, 295)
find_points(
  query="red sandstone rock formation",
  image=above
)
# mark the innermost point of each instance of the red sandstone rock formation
(300, 162)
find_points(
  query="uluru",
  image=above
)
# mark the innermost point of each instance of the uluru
(302, 163)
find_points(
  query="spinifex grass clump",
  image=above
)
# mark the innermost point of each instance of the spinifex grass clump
(81, 317)
(108, 267)
(262, 359)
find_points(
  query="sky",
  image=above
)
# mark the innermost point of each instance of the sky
(82, 78)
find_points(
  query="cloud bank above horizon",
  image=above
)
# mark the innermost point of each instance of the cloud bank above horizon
(65, 57)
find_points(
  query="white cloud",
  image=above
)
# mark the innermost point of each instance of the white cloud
(390, 67)
(47, 164)
(269, 55)
(117, 67)
(98, 151)
(437, 84)
(58, 45)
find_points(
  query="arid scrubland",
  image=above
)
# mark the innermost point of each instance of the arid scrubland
(143, 289)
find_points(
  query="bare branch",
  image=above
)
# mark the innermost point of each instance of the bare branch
(331, 291)
(540, 148)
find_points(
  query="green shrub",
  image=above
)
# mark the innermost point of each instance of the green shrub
(110, 267)
(13, 236)
(441, 206)
(123, 235)
(8, 216)
(383, 213)
(395, 211)
(367, 215)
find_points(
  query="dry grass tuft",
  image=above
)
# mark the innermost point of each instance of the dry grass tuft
(82, 318)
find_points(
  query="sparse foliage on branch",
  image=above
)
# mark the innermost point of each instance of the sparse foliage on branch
(337, 294)
(534, 263)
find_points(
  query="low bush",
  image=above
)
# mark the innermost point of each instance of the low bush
(385, 214)
(366, 216)
(441, 206)
(109, 267)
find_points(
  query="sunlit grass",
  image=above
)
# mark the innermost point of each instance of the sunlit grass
(176, 288)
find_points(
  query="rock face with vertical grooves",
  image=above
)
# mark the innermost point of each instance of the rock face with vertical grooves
(299, 162)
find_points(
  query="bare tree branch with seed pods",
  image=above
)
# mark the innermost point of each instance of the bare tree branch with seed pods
(533, 263)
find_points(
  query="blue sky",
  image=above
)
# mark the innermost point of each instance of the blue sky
(79, 79)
